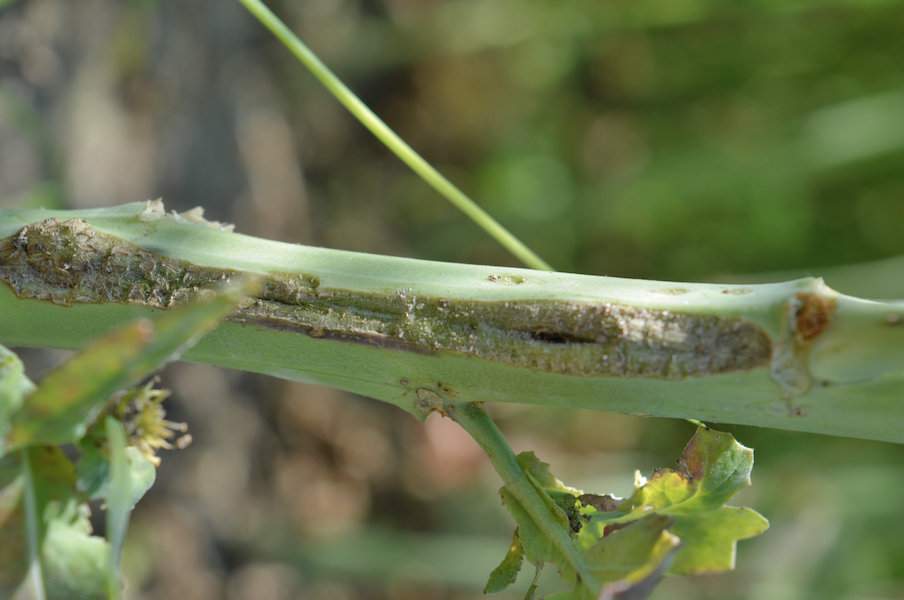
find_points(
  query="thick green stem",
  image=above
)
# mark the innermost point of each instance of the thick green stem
(794, 355)
(481, 427)
(390, 139)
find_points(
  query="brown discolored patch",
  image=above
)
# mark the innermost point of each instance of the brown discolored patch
(743, 291)
(812, 315)
(798, 411)
(446, 389)
(604, 503)
(692, 462)
(69, 262)
(893, 319)
(428, 401)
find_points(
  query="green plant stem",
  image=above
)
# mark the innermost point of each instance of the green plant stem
(390, 139)
(32, 528)
(481, 427)
(855, 361)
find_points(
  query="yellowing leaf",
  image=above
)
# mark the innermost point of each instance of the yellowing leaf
(712, 468)
(630, 554)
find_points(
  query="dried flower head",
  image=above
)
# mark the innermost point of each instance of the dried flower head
(143, 416)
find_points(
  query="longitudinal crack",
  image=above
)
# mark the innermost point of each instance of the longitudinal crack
(70, 262)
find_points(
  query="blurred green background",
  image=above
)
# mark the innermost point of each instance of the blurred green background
(669, 139)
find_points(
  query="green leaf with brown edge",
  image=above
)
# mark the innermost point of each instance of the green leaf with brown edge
(629, 561)
(69, 562)
(72, 396)
(14, 385)
(712, 468)
(507, 571)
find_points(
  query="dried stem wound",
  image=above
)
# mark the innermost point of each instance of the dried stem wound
(70, 262)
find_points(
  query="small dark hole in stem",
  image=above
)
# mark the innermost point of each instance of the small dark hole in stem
(559, 337)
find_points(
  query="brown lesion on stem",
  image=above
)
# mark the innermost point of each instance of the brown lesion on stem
(70, 262)
(812, 315)
(809, 315)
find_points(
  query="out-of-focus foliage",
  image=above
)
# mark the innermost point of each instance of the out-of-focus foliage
(49, 550)
(682, 139)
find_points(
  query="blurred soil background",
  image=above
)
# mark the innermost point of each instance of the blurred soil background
(668, 139)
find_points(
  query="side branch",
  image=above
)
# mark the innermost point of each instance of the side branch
(481, 427)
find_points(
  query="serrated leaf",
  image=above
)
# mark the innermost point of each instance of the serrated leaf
(507, 571)
(14, 386)
(539, 470)
(710, 539)
(561, 499)
(45, 534)
(712, 468)
(72, 396)
(74, 560)
(537, 547)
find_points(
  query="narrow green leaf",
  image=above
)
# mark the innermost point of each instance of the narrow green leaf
(130, 477)
(506, 573)
(72, 396)
(390, 139)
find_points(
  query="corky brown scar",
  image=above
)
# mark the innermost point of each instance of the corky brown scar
(70, 262)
